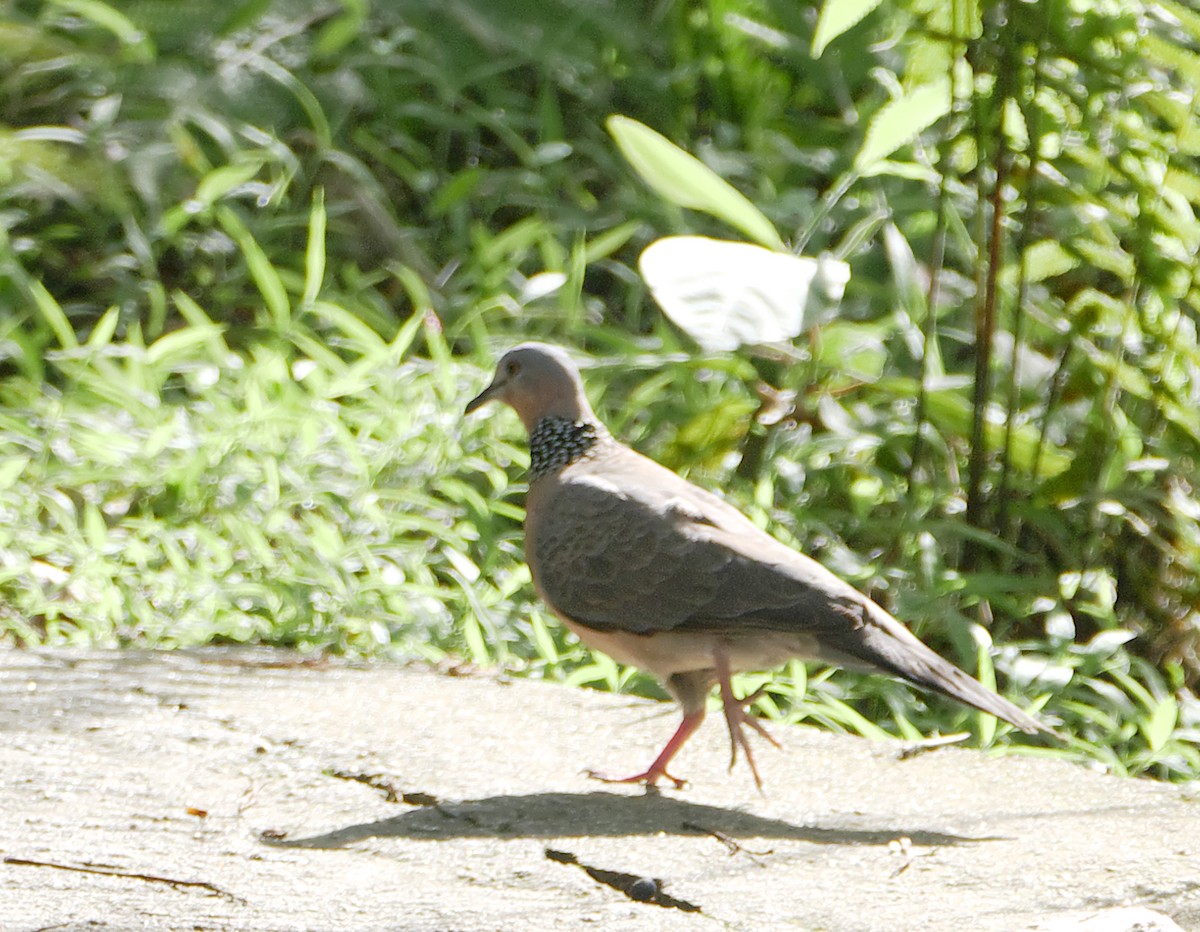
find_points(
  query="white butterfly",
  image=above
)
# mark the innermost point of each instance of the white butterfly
(725, 294)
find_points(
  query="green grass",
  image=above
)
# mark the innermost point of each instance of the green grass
(180, 494)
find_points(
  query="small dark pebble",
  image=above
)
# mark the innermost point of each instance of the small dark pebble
(643, 889)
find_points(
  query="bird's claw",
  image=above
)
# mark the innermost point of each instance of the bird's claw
(736, 716)
(648, 778)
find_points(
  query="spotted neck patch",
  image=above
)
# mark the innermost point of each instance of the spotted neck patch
(556, 442)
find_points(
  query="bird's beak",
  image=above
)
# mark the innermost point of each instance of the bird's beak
(481, 399)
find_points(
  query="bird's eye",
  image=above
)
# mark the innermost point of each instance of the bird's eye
(512, 367)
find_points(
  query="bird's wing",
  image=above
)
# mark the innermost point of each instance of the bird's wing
(635, 548)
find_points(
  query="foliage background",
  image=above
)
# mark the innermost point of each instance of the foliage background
(252, 264)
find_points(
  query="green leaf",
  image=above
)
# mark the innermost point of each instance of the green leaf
(265, 277)
(11, 470)
(853, 348)
(314, 256)
(137, 44)
(106, 326)
(910, 171)
(178, 345)
(950, 412)
(683, 179)
(340, 31)
(194, 314)
(850, 717)
(1189, 19)
(605, 244)
(542, 639)
(1047, 259)
(1160, 725)
(307, 99)
(95, 531)
(355, 330)
(1172, 55)
(838, 16)
(900, 122)
(985, 672)
(54, 315)
(220, 181)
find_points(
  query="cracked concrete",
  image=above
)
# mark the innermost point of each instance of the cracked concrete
(245, 790)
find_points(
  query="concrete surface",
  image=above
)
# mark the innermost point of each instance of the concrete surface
(245, 790)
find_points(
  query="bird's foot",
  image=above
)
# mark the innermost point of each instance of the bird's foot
(737, 716)
(648, 778)
(658, 770)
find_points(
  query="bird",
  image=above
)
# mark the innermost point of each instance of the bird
(662, 575)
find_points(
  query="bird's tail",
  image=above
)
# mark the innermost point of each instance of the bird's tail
(892, 647)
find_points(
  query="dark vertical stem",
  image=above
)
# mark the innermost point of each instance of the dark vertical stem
(929, 327)
(1000, 58)
(1024, 236)
(985, 329)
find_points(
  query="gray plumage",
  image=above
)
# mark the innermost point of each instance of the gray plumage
(665, 576)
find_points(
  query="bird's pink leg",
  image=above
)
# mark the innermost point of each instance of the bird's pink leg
(658, 770)
(736, 716)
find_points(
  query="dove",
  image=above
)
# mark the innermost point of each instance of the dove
(662, 575)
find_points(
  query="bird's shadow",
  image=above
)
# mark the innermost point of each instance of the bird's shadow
(602, 814)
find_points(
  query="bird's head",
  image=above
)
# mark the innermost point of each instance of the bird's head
(537, 380)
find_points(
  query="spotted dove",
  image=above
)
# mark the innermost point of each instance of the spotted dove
(662, 575)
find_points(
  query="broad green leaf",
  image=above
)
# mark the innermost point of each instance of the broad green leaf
(683, 179)
(838, 16)
(930, 58)
(966, 18)
(11, 469)
(1015, 127)
(905, 272)
(95, 531)
(853, 348)
(340, 31)
(1108, 256)
(900, 122)
(1046, 259)
(1160, 724)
